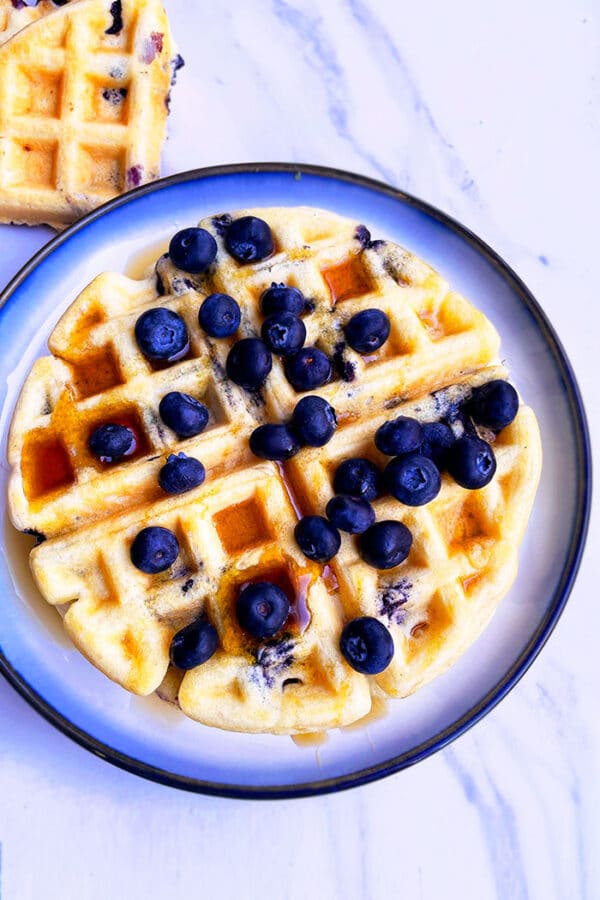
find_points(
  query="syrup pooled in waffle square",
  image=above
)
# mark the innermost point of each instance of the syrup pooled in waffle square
(83, 106)
(239, 530)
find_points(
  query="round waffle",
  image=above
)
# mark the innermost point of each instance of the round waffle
(238, 526)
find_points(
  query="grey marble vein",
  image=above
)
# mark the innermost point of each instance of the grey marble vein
(320, 53)
(498, 827)
(387, 54)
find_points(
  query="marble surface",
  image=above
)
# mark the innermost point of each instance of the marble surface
(492, 114)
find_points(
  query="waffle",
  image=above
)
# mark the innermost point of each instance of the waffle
(82, 111)
(15, 16)
(238, 526)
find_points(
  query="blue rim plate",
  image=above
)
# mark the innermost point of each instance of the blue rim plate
(151, 739)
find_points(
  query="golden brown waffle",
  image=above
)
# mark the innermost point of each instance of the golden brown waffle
(16, 15)
(82, 111)
(238, 526)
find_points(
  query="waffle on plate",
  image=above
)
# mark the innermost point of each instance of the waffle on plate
(189, 574)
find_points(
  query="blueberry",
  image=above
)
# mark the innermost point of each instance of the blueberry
(350, 514)
(262, 609)
(494, 404)
(194, 645)
(385, 544)
(317, 538)
(154, 550)
(413, 479)
(112, 442)
(358, 477)
(367, 645)
(185, 415)
(248, 363)
(308, 369)
(437, 439)
(219, 316)
(283, 333)
(273, 442)
(314, 421)
(161, 334)
(249, 239)
(368, 330)
(400, 435)
(193, 250)
(181, 473)
(281, 298)
(471, 462)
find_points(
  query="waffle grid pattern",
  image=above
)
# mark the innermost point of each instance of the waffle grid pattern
(239, 524)
(82, 112)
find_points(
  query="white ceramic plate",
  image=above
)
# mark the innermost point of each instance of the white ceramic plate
(149, 737)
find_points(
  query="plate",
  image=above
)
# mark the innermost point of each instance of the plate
(152, 739)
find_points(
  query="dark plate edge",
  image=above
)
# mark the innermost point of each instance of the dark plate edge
(561, 594)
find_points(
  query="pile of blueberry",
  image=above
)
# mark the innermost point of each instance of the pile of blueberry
(419, 452)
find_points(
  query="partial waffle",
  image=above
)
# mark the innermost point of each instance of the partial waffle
(238, 527)
(15, 15)
(83, 106)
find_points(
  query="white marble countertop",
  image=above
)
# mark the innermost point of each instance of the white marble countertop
(491, 112)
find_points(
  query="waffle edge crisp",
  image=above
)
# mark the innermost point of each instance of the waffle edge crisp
(84, 92)
(239, 524)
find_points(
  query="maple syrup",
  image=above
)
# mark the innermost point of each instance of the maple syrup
(295, 587)
(140, 447)
(311, 739)
(379, 709)
(98, 373)
(242, 526)
(46, 466)
(432, 324)
(347, 279)
(141, 264)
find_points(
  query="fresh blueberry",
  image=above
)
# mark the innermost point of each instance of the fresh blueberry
(283, 333)
(471, 462)
(317, 538)
(220, 316)
(248, 363)
(350, 514)
(193, 250)
(437, 440)
(413, 479)
(112, 442)
(181, 473)
(358, 477)
(368, 330)
(494, 404)
(161, 334)
(194, 645)
(281, 298)
(185, 415)
(308, 369)
(385, 544)
(249, 239)
(367, 645)
(262, 609)
(314, 421)
(154, 550)
(273, 442)
(400, 435)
